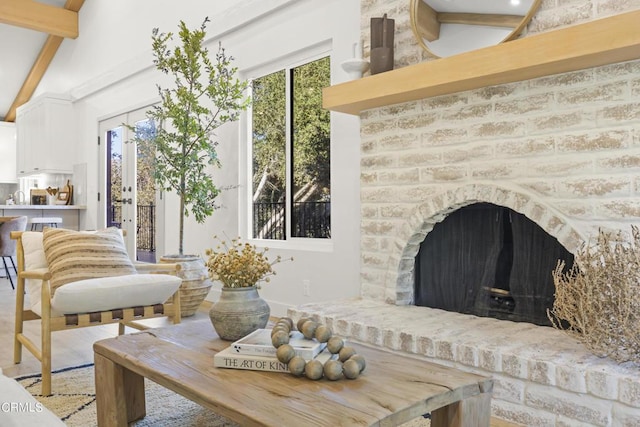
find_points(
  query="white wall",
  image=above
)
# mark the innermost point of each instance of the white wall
(108, 71)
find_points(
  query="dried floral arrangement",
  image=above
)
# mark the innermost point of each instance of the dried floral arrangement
(598, 299)
(240, 265)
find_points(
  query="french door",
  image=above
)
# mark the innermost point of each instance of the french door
(130, 200)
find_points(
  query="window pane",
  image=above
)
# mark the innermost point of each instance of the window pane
(269, 156)
(311, 215)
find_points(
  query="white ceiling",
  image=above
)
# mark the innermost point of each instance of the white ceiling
(19, 50)
(20, 47)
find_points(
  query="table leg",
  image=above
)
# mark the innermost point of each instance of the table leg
(473, 411)
(119, 394)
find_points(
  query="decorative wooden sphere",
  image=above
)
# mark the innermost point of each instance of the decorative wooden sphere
(335, 344)
(309, 329)
(351, 369)
(323, 333)
(280, 338)
(285, 353)
(286, 320)
(360, 360)
(333, 370)
(301, 322)
(280, 328)
(296, 365)
(345, 353)
(313, 370)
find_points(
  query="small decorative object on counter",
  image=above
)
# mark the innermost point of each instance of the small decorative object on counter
(346, 362)
(65, 195)
(52, 195)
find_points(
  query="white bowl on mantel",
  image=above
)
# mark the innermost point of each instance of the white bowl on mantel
(355, 67)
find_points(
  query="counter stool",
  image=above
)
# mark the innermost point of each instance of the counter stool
(51, 221)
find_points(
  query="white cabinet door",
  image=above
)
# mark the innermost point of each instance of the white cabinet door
(8, 152)
(45, 136)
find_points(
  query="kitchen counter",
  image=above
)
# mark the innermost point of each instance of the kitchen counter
(70, 214)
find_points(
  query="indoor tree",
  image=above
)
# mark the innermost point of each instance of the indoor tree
(205, 94)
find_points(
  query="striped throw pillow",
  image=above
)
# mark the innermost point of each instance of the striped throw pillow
(78, 255)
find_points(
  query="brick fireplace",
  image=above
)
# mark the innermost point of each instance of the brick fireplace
(562, 150)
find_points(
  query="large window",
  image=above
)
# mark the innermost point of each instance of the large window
(290, 134)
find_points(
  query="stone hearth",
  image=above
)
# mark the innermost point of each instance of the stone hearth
(542, 378)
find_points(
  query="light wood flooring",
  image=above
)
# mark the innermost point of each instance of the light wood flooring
(69, 348)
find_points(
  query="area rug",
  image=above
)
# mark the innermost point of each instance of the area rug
(74, 401)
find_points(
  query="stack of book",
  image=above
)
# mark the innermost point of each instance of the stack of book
(256, 352)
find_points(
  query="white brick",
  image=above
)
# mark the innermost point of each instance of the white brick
(571, 405)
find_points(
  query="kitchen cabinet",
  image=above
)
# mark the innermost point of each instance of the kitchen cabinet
(45, 136)
(8, 152)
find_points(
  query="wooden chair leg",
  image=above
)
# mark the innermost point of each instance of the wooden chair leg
(19, 322)
(177, 315)
(46, 348)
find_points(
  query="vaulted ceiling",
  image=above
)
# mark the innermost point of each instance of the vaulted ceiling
(33, 31)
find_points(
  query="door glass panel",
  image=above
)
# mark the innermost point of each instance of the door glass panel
(114, 177)
(146, 193)
(130, 202)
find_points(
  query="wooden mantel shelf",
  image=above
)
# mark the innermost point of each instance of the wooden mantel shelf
(600, 42)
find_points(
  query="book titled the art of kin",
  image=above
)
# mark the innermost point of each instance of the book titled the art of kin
(259, 343)
(256, 352)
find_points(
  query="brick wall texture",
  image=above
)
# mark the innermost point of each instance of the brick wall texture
(564, 150)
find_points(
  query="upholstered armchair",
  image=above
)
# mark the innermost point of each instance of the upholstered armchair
(7, 245)
(79, 279)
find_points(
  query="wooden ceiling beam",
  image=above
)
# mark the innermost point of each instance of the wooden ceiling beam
(39, 17)
(40, 66)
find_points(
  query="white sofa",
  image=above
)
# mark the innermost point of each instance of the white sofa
(19, 409)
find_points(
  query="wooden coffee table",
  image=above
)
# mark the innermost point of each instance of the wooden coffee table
(392, 390)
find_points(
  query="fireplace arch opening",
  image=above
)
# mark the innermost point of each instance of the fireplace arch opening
(489, 261)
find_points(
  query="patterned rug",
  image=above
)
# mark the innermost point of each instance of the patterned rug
(74, 401)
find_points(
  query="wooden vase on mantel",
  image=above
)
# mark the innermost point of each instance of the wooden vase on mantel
(238, 312)
(195, 281)
(382, 35)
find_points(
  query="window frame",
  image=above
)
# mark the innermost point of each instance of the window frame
(287, 63)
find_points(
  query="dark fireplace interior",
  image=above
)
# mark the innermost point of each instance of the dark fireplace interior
(489, 261)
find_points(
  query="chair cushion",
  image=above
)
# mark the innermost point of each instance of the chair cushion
(75, 256)
(109, 293)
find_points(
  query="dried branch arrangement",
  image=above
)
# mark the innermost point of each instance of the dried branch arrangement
(598, 299)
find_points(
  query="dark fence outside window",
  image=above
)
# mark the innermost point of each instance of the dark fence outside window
(310, 219)
(114, 216)
(146, 233)
(268, 221)
(146, 218)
